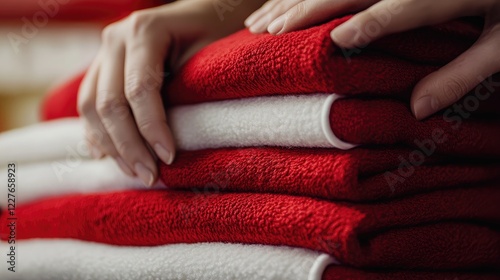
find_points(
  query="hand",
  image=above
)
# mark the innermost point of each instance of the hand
(434, 92)
(119, 98)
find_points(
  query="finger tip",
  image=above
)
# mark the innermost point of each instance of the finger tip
(424, 107)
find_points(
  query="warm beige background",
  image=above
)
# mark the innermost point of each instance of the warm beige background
(56, 52)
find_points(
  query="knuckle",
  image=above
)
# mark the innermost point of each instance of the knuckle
(123, 147)
(149, 125)
(109, 33)
(300, 10)
(140, 21)
(107, 107)
(135, 90)
(86, 107)
(452, 91)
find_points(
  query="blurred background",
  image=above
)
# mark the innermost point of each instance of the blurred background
(44, 43)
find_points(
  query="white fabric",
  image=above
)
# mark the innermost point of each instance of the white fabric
(61, 177)
(71, 259)
(44, 142)
(294, 121)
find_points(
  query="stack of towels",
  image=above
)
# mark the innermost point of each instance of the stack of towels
(297, 160)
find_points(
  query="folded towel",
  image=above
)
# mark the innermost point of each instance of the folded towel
(295, 121)
(452, 229)
(44, 142)
(336, 272)
(49, 179)
(283, 120)
(63, 167)
(307, 61)
(73, 259)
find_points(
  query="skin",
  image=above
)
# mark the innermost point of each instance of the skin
(436, 91)
(119, 99)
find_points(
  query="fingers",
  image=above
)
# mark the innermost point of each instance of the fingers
(453, 81)
(391, 16)
(258, 21)
(310, 12)
(144, 76)
(97, 139)
(114, 112)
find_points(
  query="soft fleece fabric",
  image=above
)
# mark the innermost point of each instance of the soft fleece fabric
(63, 167)
(73, 259)
(352, 121)
(451, 229)
(59, 177)
(307, 61)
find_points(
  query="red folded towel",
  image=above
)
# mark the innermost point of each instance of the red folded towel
(366, 122)
(71, 10)
(336, 272)
(356, 175)
(450, 229)
(307, 61)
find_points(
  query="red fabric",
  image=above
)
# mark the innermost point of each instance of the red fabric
(441, 230)
(335, 272)
(61, 102)
(357, 175)
(375, 122)
(71, 10)
(307, 61)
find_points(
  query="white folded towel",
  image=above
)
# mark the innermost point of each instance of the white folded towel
(291, 121)
(65, 259)
(41, 180)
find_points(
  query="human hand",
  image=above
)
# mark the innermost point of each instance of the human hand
(436, 91)
(119, 98)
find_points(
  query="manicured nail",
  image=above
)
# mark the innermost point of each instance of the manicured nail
(425, 107)
(259, 26)
(276, 26)
(163, 154)
(251, 19)
(95, 152)
(124, 166)
(344, 35)
(145, 174)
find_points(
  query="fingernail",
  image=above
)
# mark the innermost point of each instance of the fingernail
(425, 107)
(163, 154)
(251, 19)
(259, 26)
(344, 35)
(145, 174)
(124, 166)
(276, 26)
(95, 152)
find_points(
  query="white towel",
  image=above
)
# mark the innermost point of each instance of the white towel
(292, 121)
(42, 180)
(71, 259)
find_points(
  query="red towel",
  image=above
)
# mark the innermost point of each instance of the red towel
(357, 175)
(335, 272)
(307, 61)
(365, 122)
(451, 229)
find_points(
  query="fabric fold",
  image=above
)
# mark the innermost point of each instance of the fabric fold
(356, 175)
(73, 259)
(407, 233)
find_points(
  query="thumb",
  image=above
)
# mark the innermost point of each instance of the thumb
(450, 83)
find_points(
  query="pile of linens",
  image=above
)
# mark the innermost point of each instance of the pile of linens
(297, 160)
